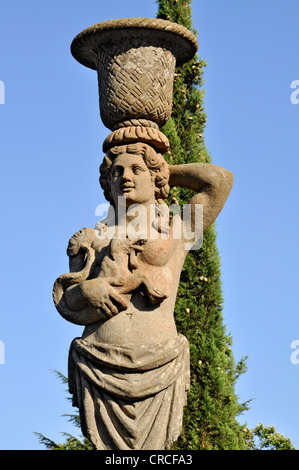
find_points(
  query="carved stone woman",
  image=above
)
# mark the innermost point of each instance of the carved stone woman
(129, 372)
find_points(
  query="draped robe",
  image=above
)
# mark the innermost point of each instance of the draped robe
(130, 397)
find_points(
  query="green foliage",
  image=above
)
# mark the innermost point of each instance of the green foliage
(177, 11)
(266, 438)
(72, 442)
(210, 417)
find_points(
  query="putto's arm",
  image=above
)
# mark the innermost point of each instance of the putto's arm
(212, 184)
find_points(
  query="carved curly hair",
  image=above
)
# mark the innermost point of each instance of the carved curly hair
(154, 161)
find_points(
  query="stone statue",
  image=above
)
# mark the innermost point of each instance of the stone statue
(129, 372)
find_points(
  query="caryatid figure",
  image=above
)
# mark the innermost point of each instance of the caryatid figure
(129, 372)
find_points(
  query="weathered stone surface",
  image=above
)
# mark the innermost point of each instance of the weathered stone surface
(132, 398)
(135, 60)
(129, 373)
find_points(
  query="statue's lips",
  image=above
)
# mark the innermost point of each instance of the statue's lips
(127, 188)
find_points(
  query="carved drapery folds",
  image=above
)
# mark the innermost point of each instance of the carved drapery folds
(132, 398)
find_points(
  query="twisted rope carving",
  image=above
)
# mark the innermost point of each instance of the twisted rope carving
(135, 123)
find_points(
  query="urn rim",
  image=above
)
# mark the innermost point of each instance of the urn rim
(84, 44)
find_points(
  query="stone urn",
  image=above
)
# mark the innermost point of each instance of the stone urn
(135, 59)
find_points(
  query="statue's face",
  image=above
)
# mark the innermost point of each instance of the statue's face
(131, 178)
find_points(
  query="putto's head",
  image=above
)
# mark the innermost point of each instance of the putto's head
(154, 161)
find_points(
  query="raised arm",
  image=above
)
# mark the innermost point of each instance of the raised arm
(212, 184)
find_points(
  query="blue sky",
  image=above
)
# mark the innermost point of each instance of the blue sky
(50, 148)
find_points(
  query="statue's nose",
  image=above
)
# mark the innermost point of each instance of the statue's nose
(127, 174)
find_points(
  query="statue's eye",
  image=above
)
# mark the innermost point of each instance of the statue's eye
(117, 171)
(137, 169)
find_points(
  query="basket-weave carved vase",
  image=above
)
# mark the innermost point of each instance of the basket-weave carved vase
(135, 59)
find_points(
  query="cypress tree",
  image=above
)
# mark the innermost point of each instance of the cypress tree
(210, 419)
